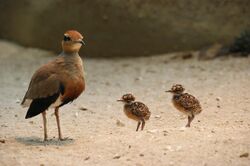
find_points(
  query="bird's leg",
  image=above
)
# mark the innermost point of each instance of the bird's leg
(45, 125)
(190, 118)
(143, 124)
(139, 123)
(58, 123)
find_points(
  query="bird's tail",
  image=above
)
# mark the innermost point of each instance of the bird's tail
(39, 105)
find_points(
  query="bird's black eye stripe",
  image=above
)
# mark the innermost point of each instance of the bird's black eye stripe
(66, 38)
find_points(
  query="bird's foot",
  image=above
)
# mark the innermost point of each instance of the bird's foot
(65, 139)
(188, 125)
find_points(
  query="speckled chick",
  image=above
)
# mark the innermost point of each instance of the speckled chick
(185, 102)
(135, 110)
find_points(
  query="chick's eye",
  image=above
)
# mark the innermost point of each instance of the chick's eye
(66, 38)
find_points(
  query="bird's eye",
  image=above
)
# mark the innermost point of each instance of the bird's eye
(66, 38)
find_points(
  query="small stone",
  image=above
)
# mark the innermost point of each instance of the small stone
(116, 157)
(169, 148)
(31, 122)
(141, 155)
(2, 141)
(76, 114)
(18, 101)
(187, 56)
(87, 158)
(129, 146)
(119, 123)
(4, 125)
(83, 109)
(138, 78)
(152, 131)
(218, 106)
(182, 128)
(218, 98)
(157, 116)
(244, 155)
(16, 115)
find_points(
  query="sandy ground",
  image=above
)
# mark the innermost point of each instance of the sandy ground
(218, 136)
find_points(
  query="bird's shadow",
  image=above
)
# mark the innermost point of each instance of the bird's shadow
(36, 141)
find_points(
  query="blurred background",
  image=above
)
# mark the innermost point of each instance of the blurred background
(125, 28)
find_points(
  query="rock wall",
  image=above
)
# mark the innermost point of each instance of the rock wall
(124, 28)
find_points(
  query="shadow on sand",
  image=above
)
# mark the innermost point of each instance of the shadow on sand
(35, 141)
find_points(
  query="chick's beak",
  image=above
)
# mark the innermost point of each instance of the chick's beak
(81, 41)
(169, 91)
(120, 100)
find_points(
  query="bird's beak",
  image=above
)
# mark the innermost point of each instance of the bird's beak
(120, 100)
(81, 41)
(169, 91)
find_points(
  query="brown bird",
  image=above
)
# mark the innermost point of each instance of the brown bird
(135, 110)
(185, 102)
(58, 82)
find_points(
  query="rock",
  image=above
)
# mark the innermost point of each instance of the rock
(2, 141)
(141, 155)
(76, 114)
(218, 98)
(157, 116)
(138, 78)
(183, 128)
(187, 56)
(83, 109)
(210, 52)
(87, 158)
(152, 131)
(119, 123)
(244, 155)
(116, 157)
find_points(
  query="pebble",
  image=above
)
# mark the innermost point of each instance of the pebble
(76, 114)
(244, 155)
(152, 131)
(116, 157)
(87, 158)
(119, 123)
(183, 128)
(2, 141)
(157, 116)
(218, 98)
(83, 109)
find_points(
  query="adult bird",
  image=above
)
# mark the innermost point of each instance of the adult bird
(58, 82)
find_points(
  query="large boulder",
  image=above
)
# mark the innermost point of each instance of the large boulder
(124, 28)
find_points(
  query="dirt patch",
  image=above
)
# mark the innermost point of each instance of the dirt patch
(218, 136)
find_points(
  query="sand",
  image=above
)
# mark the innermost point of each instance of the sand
(102, 134)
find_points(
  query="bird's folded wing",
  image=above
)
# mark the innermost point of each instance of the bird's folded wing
(187, 101)
(43, 84)
(139, 109)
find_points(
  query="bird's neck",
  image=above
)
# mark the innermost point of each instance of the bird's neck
(176, 96)
(128, 103)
